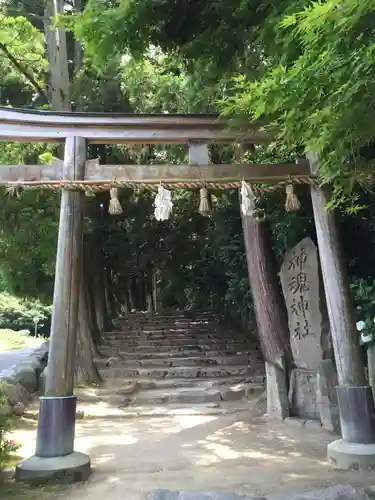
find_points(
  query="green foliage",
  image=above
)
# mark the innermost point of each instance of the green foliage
(7, 447)
(364, 295)
(195, 29)
(307, 67)
(29, 222)
(320, 97)
(23, 64)
(17, 313)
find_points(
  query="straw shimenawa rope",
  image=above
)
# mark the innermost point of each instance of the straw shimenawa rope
(95, 186)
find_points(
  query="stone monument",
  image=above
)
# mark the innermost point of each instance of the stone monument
(311, 395)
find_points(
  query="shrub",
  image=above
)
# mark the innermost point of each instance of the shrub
(17, 313)
(7, 446)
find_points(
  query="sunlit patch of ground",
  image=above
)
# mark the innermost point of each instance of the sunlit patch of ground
(238, 452)
(11, 340)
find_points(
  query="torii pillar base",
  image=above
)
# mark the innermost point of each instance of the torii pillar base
(68, 469)
(351, 456)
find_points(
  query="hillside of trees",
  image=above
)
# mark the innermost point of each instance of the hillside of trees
(307, 67)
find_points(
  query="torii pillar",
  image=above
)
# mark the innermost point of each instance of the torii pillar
(54, 455)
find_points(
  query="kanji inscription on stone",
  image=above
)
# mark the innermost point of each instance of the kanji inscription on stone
(300, 282)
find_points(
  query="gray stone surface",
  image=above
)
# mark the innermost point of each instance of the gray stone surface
(326, 396)
(351, 456)
(14, 391)
(26, 374)
(302, 393)
(22, 380)
(300, 281)
(9, 359)
(67, 469)
(295, 421)
(233, 393)
(277, 392)
(336, 492)
(196, 495)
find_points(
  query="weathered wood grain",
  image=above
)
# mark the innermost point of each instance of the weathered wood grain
(25, 125)
(155, 173)
(60, 372)
(340, 308)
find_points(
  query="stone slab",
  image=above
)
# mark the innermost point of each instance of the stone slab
(68, 469)
(197, 495)
(303, 394)
(277, 393)
(351, 456)
(336, 492)
(300, 281)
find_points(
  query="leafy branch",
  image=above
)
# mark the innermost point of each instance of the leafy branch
(23, 71)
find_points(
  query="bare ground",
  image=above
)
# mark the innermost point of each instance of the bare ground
(239, 452)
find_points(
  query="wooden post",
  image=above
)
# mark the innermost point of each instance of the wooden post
(371, 368)
(56, 429)
(199, 153)
(270, 311)
(341, 313)
(54, 455)
(60, 377)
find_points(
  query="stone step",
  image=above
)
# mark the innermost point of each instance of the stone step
(181, 371)
(172, 383)
(180, 395)
(169, 333)
(208, 382)
(177, 350)
(168, 321)
(206, 409)
(181, 342)
(172, 332)
(188, 323)
(186, 361)
(171, 338)
(197, 394)
(185, 353)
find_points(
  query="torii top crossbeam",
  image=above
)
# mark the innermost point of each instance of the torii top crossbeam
(32, 125)
(196, 131)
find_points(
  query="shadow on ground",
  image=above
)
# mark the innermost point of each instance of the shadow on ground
(234, 453)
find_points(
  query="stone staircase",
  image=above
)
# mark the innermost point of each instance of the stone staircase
(179, 359)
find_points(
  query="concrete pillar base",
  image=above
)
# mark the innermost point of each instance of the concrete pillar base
(67, 469)
(351, 456)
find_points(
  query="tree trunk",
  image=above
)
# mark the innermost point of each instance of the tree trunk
(110, 299)
(59, 87)
(86, 371)
(149, 302)
(269, 308)
(155, 295)
(131, 296)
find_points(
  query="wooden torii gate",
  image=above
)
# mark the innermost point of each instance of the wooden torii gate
(55, 437)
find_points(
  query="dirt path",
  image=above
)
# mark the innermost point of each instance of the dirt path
(234, 453)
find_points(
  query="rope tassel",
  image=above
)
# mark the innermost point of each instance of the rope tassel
(250, 203)
(205, 205)
(115, 207)
(292, 203)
